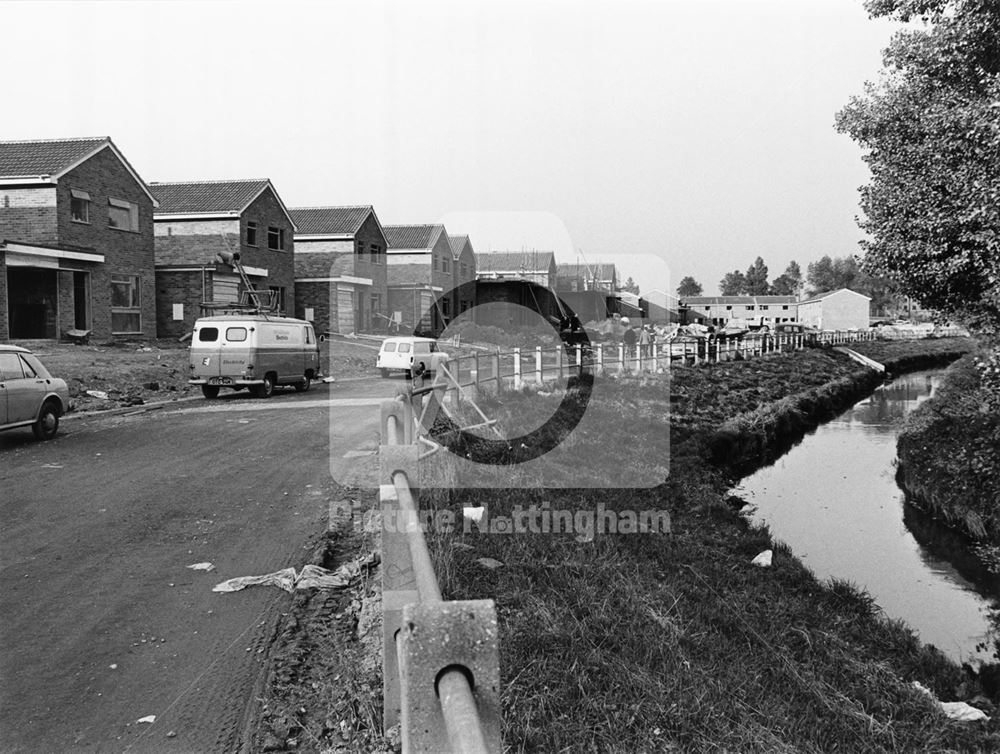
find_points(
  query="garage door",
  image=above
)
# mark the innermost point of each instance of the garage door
(345, 309)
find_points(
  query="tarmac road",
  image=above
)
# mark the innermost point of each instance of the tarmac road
(101, 621)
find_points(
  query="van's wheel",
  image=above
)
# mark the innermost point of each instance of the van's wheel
(384, 373)
(408, 374)
(266, 390)
(210, 391)
(302, 387)
(47, 424)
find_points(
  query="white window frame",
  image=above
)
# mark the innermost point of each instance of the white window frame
(133, 307)
(133, 214)
(252, 227)
(81, 196)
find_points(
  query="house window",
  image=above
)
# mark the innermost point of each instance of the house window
(275, 238)
(708, 308)
(444, 264)
(729, 308)
(373, 248)
(123, 215)
(125, 314)
(79, 206)
(785, 308)
(434, 262)
(750, 308)
(251, 233)
(763, 307)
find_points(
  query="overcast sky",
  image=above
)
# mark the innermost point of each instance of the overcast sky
(673, 138)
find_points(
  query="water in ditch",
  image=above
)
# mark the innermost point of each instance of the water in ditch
(834, 500)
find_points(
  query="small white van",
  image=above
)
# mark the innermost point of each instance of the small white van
(407, 354)
(253, 351)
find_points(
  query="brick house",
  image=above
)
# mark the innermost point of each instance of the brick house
(586, 277)
(340, 269)
(76, 241)
(197, 220)
(538, 267)
(420, 276)
(463, 274)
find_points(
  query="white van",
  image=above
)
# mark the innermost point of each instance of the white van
(406, 354)
(253, 351)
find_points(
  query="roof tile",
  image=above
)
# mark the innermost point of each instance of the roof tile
(198, 197)
(315, 221)
(44, 157)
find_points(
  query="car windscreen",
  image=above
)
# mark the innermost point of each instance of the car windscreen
(208, 334)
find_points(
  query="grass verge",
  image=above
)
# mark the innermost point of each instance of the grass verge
(652, 642)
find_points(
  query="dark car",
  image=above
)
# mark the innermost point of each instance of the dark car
(29, 395)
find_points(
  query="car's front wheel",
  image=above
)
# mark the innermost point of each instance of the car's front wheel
(301, 387)
(210, 391)
(47, 424)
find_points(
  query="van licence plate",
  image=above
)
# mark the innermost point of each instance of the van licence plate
(220, 381)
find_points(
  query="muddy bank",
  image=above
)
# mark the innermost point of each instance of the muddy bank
(759, 437)
(949, 455)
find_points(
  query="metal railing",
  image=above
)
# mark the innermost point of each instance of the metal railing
(441, 668)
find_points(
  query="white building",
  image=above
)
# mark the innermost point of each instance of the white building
(843, 309)
(718, 310)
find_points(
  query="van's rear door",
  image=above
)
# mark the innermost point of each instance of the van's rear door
(206, 350)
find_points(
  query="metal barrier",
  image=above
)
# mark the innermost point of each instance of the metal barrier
(441, 664)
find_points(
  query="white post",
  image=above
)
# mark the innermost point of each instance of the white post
(579, 358)
(538, 365)
(621, 358)
(496, 371)
(600, 358)
(517, 368)
(559, 361)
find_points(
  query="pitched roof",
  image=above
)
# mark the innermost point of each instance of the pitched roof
(827, 294)
(32, 159)
(458, 244)
(207, 197)
(707, 300)
(412, 236)
(515, 261)
(600, 271)
(50, 159)
(334, 221)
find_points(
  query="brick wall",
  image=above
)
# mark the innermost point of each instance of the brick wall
(266, 211)
(185, 288)
(125, 252)
(322, 298)
(29, 214)
(4, 325)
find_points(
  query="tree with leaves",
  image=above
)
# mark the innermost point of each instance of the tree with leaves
(829, 274)
(788, 283)
(756, 278)
(733, 284)
(929, 129)
(630, 286)
(689, 287)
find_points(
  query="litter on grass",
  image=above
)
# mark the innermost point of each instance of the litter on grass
(763, 559)
(202, 567)
(960, 711)
(147, 719)
(310, 577)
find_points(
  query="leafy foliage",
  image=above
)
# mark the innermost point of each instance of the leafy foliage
(733, 284)
(788, 283)
(931, 131)
(689, 287)
(756, 278)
